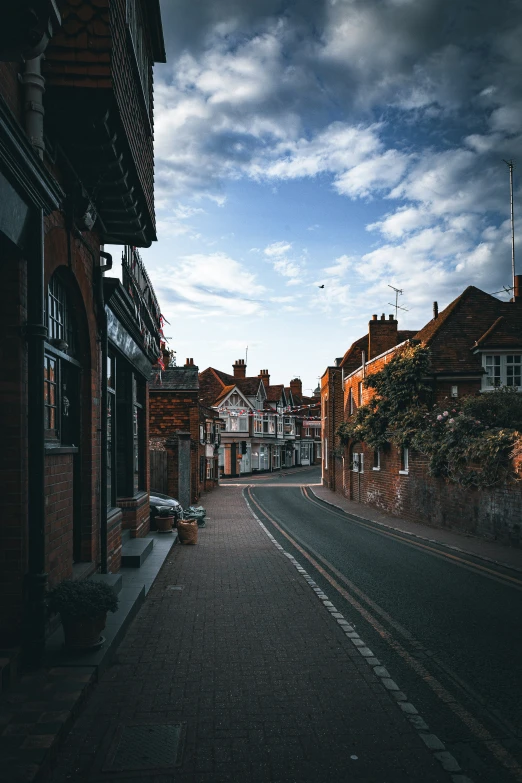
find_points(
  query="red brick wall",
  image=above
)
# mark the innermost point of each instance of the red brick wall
(490, 513)
(135, 514)
(332, 407)
(59, 516)
(493, 513)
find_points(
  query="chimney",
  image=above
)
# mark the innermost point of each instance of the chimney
(517, 292)
(435, 309)
(382, 335)
(189, 363)
(265, 377)
(239, 368)
(296, 387)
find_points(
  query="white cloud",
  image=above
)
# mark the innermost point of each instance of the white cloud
(207, 284)
(277, 249)
(342, 264)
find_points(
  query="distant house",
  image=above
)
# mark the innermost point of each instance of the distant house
(257, 432)
(184, 434)
(476, 346)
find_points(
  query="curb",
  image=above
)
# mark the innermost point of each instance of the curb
(415, 535)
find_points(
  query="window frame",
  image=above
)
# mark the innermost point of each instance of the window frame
(501, 361)
(376, 453)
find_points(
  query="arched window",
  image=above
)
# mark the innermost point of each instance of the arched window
(61, 369)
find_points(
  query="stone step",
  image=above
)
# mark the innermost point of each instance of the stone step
(114, 580)
(136, 551)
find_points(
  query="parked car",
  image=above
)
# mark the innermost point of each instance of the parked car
(159, 500)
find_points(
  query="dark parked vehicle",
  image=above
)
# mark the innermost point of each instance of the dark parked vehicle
(159, 500)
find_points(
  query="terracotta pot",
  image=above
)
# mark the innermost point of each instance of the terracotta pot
(82, 633)
(164, 524)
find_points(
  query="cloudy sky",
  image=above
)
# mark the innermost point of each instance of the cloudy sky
(351, 143)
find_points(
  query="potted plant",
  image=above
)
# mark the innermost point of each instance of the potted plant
(83, 608)
(165, 520)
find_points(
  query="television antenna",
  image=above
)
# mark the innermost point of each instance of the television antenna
(398, 292)
(511, 165)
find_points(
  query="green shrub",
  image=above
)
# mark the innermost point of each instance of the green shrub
(82, 599)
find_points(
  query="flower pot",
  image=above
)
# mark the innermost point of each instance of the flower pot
(84, 633)
(164, 524)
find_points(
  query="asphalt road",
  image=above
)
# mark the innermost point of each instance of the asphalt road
(447, 628)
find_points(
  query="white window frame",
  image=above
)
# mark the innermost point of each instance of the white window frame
(360, 393)
(280, 426)
(326, 453)
(258, 424)
(405, 460)
(503, 368)
(378, 466)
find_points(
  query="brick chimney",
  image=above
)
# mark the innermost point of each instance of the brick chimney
(239, 368)
(517, 293)
(382, 335)
(296, 387)
(189, 363)
(265, 377)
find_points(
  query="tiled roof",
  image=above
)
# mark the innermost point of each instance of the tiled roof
(176, 379)
(274, 393)
(224, 393)
(471, 317)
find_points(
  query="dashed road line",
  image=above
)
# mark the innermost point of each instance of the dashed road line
(474, 726)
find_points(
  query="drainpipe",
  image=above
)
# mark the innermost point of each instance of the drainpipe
(103, 407)
(35, 581)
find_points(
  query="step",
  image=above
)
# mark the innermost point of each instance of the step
(114, 580)
(136, 551)
(125, 536)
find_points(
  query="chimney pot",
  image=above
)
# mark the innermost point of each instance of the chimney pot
(435, 309)
(383, 317)
(390, 317)
(374, 317)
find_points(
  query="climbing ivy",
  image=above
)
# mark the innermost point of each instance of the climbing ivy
(472, 444)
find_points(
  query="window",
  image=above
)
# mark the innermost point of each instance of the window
(502, 370)
(276, 458)
(61, 369)
(208, 431)
(258, 424)
(137, 432)
(405, 460)
(201, 433)
(376, 459)
(360, 393)
(289, 425)
(279, 426)
(454, 391)
(355, 462)
(210, 468)
(350, 401)
(111, 445)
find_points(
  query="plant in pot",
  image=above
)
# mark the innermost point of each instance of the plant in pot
(165, 520)
(83, 608)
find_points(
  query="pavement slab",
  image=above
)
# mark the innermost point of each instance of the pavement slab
(265, 682)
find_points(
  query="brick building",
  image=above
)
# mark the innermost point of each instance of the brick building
(185, 431)
(307, 412)
(475, 345)
(257, 432)
(76, 172)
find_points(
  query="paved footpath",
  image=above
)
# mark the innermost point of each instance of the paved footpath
(263, 677)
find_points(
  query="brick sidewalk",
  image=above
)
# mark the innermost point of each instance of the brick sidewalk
(268, 685)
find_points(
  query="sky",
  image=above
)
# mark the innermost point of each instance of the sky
(355, 144)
